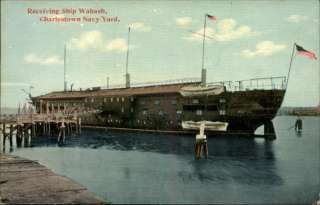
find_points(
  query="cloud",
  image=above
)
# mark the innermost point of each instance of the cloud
(14, 84)
(33, 58)
(296, 18)
(94, 40)
(140, 26)
(118, 44)
(89, 39)
(264, 48)
(184, 21)
(227, 30)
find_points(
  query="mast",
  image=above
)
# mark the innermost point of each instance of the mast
(203, 70)
(127, 61)
(64, 67)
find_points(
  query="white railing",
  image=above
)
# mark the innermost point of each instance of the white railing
(271, 83)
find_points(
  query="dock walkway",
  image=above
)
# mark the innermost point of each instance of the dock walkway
(25, 181)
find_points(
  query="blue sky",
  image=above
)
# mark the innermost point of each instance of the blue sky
(251, 39)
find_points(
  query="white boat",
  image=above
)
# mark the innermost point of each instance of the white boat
(209, 125)
(200, 91)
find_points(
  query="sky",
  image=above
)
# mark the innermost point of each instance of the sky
(249, 39)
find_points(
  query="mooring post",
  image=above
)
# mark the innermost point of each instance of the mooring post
(201, 144)
(43, 128)
(68, 127)
(63, 134)
(269, 131)
(18, 135)
(4, 134)
(206, 149)
(10, 135)
(29, 135)
(49, 125)
(76, 126)
(79, 125)
(26, 135)
(33, 129)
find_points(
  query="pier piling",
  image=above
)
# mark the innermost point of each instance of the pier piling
(28, 124)
(10, 135)
(269, 131)
(4, 135)
(201, 147)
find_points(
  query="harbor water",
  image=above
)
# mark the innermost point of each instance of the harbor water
(160, 168)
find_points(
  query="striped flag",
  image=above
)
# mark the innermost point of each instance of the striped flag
(212, 18)
(304, 52)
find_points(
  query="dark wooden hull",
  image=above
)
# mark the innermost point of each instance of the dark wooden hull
(245, 111)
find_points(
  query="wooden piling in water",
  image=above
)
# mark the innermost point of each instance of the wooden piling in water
(68, 128)
(18, 135)
(10, 135)
(44, 128)
(62, 133)
(77, 127)
(49, 125)
(201, 147)
(33, 129)
(79, 124)
(4, 134)
(26, 139)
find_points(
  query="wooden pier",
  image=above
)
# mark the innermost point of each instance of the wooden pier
(25, 181)
(28, 124)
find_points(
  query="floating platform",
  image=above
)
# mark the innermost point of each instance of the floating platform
(25, 181)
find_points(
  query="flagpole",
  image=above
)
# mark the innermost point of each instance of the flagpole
(291, 60)
(127, 58)
(127, 61)
(203, 71)
(204, 38)
(64, 67)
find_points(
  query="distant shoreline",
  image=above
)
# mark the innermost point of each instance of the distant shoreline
(301, 111)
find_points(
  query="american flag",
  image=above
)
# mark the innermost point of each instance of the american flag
(304, 52)
(213, 18)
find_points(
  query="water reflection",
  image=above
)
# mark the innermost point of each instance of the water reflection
(230, 159)
(240, 160)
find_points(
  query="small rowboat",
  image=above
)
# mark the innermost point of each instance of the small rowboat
(209, 125)
(200, 91)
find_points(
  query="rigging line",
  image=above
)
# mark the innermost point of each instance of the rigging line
(199, 34)
(291, 60)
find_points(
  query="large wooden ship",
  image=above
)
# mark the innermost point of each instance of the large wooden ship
(244, 106)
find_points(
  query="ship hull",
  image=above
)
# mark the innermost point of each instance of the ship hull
(244, 111)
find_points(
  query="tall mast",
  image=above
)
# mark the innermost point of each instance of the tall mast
(127, 61)
(203, 70)
(64, 67)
